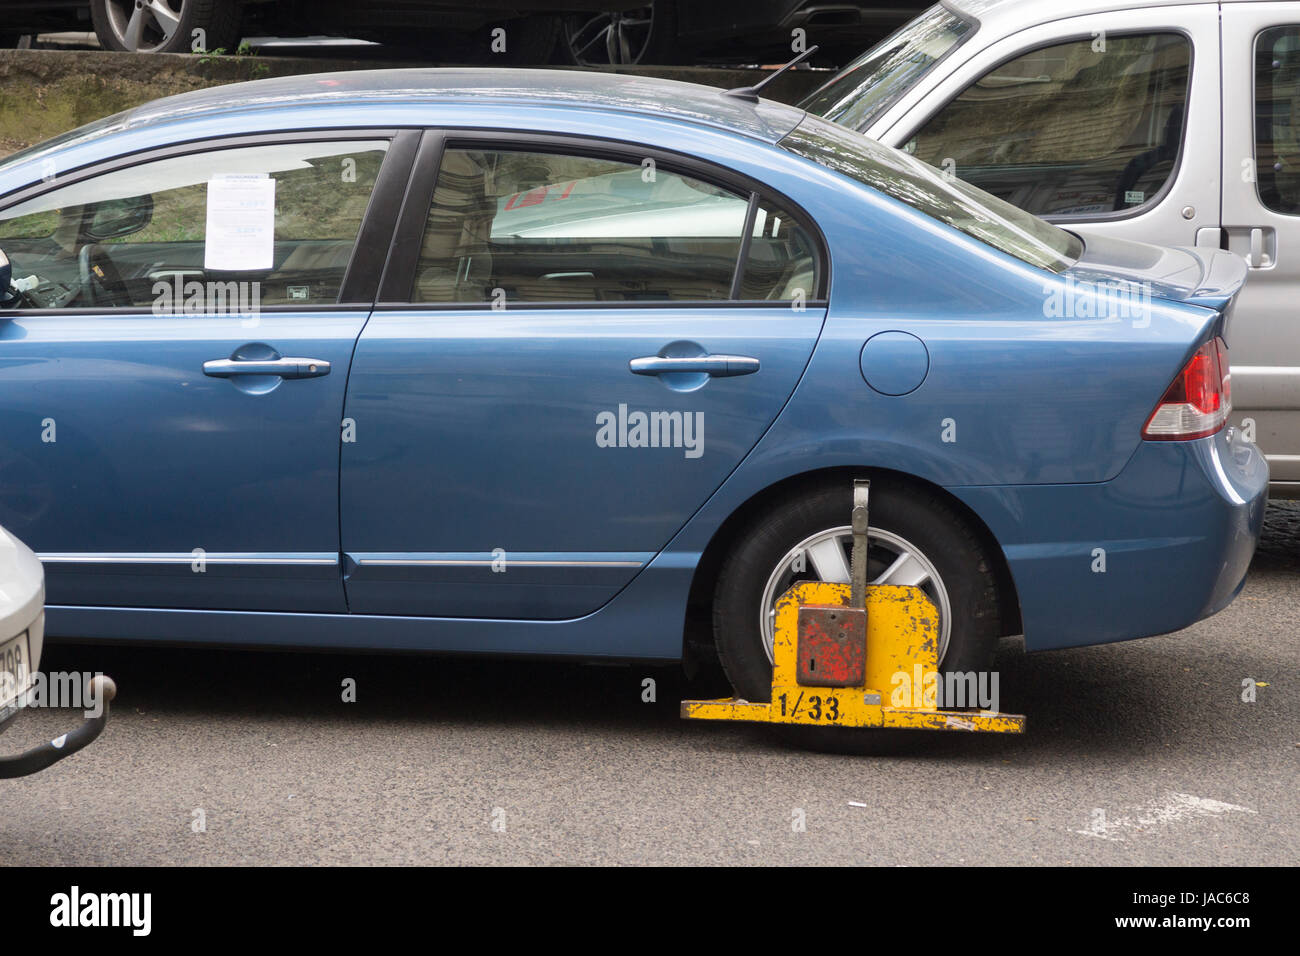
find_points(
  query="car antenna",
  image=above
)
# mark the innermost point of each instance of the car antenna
(750, 93)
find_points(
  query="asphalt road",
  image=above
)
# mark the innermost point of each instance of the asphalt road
(1137, 753)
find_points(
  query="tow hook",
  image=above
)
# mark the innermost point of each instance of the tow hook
(100, 688)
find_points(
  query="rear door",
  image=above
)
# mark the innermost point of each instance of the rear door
(171, 391)
(1261, 218)
(567, 360)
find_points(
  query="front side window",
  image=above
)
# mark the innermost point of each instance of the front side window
(1277, 119)
(949, 200)
(284, 217)
(517, 226)
(872, 83)
(1092, 126)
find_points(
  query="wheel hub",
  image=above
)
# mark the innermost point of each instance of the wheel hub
(824, 556)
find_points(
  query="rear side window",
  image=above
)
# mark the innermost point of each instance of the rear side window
(1093, 126)
(782, 262)
(518, 226)
(1277, 119)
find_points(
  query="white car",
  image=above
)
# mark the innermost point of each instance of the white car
(22, 630)
(1174, 122)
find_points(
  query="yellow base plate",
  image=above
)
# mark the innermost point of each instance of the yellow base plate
(898, 692)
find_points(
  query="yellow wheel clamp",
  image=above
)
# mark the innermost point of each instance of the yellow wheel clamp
(849, 655)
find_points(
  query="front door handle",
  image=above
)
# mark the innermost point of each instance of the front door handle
(283, 367)
(719, 366)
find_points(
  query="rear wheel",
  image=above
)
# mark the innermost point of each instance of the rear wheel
(166, 26)
(916, 538)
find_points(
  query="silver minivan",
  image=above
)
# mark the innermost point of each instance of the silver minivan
(1173, 122)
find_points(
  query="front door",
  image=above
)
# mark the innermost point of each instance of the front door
(172, 383)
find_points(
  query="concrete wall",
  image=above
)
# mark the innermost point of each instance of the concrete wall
(46, 92)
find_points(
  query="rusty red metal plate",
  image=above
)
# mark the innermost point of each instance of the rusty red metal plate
(832, 646)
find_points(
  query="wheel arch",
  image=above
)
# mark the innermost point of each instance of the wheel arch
(698, 631)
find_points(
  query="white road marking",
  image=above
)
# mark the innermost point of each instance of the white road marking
(1176, 808)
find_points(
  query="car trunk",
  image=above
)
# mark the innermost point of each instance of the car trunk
(1209, 278)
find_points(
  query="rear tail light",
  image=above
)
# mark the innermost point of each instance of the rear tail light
(1199, 400)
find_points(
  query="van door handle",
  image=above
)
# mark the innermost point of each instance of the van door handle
(283, 367)
(1256, 244)
(719, 366)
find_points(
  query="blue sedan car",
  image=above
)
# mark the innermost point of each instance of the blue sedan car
(572, 364)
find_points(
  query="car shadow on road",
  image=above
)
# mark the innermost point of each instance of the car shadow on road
(1118, 701)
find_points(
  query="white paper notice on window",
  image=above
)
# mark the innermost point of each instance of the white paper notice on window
(241, 224)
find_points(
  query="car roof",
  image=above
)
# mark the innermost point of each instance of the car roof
(765, 120)
(1018, 14)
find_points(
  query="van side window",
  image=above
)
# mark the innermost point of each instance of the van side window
(1093, 126)
(1277, 119)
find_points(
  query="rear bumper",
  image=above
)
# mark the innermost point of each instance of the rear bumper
(1164, 544)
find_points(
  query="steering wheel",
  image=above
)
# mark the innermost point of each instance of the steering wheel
(101, 283)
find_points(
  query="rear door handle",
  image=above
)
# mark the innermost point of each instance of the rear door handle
(719, 366)
(283, 367)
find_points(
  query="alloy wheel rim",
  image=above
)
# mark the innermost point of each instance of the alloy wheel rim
(891, 559)
(143, 26)
(609, 38)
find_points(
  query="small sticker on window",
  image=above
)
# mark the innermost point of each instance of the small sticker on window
(1135, 197)
(299, 292)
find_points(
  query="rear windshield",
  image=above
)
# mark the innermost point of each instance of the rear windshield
(926, 189)
(870, 84)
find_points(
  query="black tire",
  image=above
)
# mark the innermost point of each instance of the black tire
(921, 517)
(219, 19)
(658, 45)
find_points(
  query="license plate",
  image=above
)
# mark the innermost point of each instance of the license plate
(15, 670)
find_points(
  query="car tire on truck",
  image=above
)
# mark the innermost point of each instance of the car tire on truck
(167, 26)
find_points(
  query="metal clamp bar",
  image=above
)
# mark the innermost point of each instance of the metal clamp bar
(858, 567)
